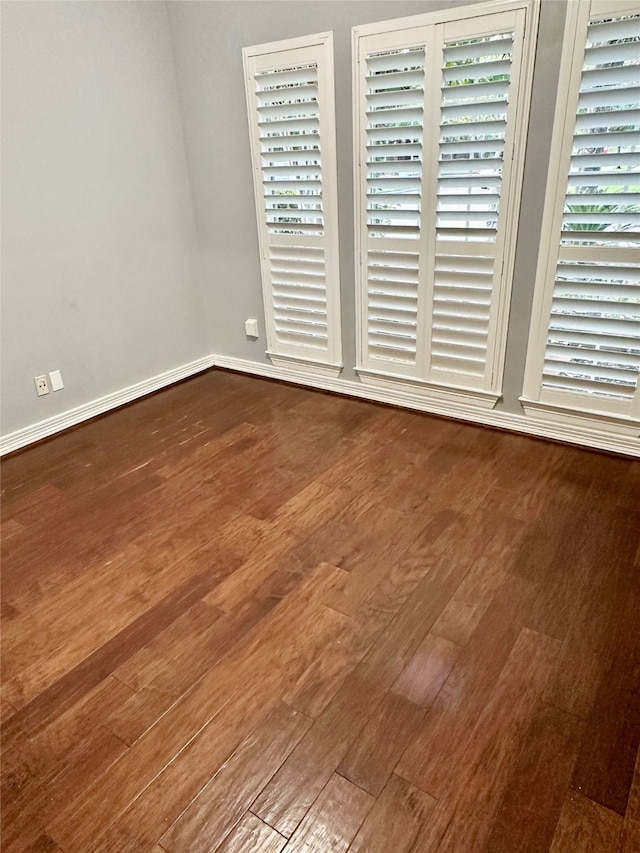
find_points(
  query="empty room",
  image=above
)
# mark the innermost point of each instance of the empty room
(320, 426)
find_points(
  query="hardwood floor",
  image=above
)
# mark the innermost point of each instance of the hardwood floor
(245, 617)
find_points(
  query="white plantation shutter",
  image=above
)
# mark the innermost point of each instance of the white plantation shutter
(585, 350)
(441, 117)
(291, 118)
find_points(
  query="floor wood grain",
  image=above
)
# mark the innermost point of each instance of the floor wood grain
(245, 617)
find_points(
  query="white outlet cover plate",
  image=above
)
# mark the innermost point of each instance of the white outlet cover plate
(55, 378)
(251, 328)
(42, 386)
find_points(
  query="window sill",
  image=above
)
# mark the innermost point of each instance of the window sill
(581, 420)
(305, 365)
(418, 388)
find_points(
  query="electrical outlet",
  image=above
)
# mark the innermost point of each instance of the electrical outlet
(251, 328)
(42, 386)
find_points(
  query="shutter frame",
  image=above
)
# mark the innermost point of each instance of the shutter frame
(562, 252)
(289, 90)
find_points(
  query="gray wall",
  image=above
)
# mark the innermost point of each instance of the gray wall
(129, 234)
(100, 268)
(207, 39)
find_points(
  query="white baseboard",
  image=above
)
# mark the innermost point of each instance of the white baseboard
(572, 433)
(72, 417)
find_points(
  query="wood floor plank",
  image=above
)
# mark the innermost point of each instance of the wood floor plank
(445, 735)
(142, 668)
(240, 585)
(344, 533)
(223, 801)
(432, 547)
(428, 669)
(568, 577)
(333, 820)
(48, 649)
(6, 710)
(307, 511)
(605, 765)
(138, 714)
(251, 835)
(91, 671)
(180, 673)
(531, 806)
(29, 761)
(41, 563)
(585, 826)
(320, 682)
(395, 821)
(29, 816)
(581, 662)
(10, 527)
(222, 597)
(43, 844)
(374, 754)
(465, 814)
(30, 506)
(630, 840)
(394, 533)
(461, 616)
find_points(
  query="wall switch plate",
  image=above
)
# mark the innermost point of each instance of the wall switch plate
(55, 378)
(42, 386)
(251, 328)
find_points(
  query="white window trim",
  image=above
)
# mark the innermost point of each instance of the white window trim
(489, 396)
(332, 365)
(566, 409)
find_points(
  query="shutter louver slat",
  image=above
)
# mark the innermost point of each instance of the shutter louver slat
(584, 384)
(395, 80)
(272, 97)
(471, 167)
(286, 79)
(607, 32)
(469, 51)
(483, 126)
(601, 358)
(277, 128)
(596, 78)
(474, 110)
(593, 342)
(607, 139)
(479, 92)
(469, 148)
(603, 178)
(606, 98)
(481, 200)
(591, 122)
(457, 71)
(455, 183)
